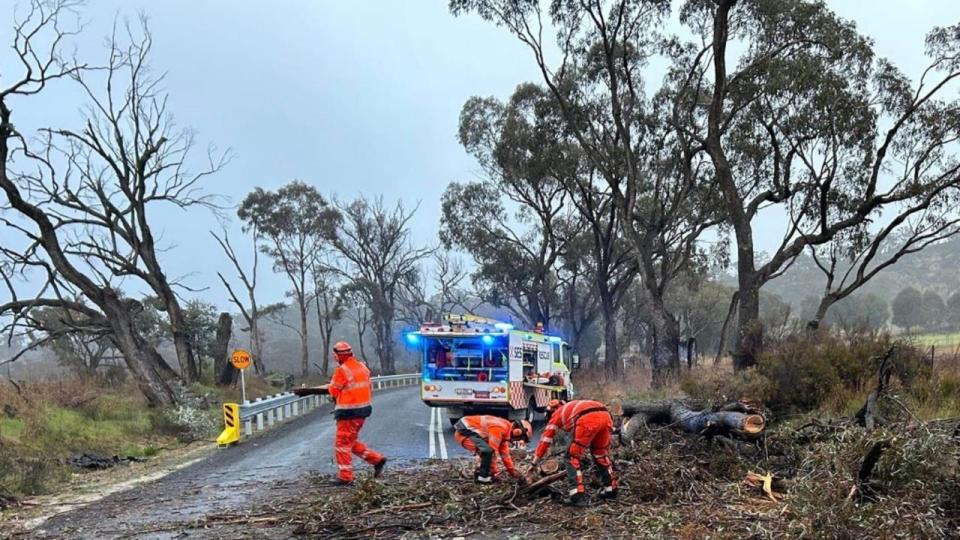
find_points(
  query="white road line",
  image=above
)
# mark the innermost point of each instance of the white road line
(433, 419)
(440, 437)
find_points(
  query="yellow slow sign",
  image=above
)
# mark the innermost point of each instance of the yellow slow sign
(240, 359)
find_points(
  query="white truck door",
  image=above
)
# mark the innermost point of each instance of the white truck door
(544, 358)
(516, 357)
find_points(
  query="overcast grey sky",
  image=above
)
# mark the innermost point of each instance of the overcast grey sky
(351, 96)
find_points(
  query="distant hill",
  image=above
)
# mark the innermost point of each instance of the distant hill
(935, 268)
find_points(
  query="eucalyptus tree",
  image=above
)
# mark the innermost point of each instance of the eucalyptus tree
(637, 146)
(798, 114)
(375, 257)
(295, 224)
(517, 220)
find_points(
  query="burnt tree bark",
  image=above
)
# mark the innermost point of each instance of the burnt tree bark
(220, 348)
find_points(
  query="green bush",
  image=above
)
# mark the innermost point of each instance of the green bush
(719, 387)
(833, 371)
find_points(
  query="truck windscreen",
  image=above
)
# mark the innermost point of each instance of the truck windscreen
(474, 358)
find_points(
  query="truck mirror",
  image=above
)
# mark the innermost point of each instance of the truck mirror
(576, 361)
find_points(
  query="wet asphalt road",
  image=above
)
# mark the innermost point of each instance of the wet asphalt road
(258, 470)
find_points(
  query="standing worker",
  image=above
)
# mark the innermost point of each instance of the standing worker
(591, 425)
(488, 437)
(350, 388)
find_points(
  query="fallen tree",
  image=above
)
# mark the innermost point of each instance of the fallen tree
(738, 419)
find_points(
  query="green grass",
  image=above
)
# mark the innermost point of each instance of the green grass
(11, 428)
(101, 431)
(948, 340)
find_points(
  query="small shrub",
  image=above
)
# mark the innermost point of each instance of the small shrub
(719, 387)
(187, 423)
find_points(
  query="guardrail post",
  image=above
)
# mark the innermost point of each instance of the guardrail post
(248, 427)
(260, 422)
(294, 408)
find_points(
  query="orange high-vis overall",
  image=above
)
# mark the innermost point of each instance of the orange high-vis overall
(487, 437)
(351, 389)
(591, 426)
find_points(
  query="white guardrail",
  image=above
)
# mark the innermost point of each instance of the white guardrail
(264, 413)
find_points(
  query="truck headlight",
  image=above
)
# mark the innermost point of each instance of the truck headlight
(431, 388)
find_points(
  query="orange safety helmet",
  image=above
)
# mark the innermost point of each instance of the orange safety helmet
(522, 430)
(342, 349)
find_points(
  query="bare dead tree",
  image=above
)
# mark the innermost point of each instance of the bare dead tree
(249, 310)
(44, 205)
(128, 158)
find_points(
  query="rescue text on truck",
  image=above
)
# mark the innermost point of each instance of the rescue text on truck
(473, 365)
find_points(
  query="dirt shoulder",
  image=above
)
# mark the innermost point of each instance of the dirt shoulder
(84, 488)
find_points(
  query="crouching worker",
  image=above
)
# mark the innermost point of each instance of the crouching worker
(350, 388)
(488, 437)
(591, 426)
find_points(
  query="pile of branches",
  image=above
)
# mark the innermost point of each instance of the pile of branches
(799, 479)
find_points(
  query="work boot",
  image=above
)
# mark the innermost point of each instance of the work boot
(378, 468)
(341, 482)
(577, 499)
(483, 479)
(608, 492)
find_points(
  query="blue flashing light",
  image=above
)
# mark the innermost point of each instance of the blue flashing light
(556, 339)
(503, 326)
(413, 338)
(488, 339)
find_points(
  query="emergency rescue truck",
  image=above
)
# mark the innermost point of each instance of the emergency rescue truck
(474, 365)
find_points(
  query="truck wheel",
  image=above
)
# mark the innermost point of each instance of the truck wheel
(532, 415)
(454, 415)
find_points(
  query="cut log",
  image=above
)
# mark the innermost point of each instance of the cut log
(542, 483)
(312, 390)
(735, 419)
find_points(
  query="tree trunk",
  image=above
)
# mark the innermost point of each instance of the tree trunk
(611, 350)
(140, 356)
(181, 340)
(665, 357)
(304, 350)
(825, 303)
(326, 335)
(256, 349)
(749, 326)
(326, 331)
(385, 347)
(221, 346)
(361, 332)
(736, 419)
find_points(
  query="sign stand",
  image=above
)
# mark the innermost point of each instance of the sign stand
(241, 360)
